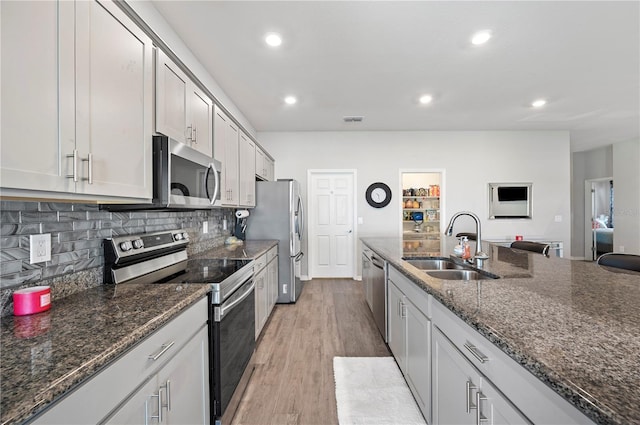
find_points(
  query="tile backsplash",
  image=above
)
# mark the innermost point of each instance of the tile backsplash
(77, 232)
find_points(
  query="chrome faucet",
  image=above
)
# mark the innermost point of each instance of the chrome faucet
(480, 255)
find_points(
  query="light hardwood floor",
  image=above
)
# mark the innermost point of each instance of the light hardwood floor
(293, 379)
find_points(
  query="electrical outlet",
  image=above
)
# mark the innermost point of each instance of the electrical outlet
(284, 289)
(621, 248)
(39, 248)
(224, 224)
(558, 218)
(205, 227)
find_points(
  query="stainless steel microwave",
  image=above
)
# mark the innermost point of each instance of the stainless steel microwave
(183, 178)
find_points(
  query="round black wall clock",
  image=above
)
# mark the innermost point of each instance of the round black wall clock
(378, 195)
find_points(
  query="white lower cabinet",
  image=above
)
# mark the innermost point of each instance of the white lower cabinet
(461, 395)
(410, 340)
(266, 280)
(167, 374)
(176, 394)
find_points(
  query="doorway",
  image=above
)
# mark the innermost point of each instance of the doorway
(332, 233)
(421, 208)
(599, 225)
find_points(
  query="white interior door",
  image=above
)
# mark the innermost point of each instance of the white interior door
(331, 226)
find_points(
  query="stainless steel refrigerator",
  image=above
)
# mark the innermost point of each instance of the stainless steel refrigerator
(279, 214)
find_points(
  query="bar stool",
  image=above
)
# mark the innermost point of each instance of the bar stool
(541, 248)
(620, 261)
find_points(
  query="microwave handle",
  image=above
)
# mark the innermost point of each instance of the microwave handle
(212, 199)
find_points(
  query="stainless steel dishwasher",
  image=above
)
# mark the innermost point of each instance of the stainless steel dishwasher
(374, 276)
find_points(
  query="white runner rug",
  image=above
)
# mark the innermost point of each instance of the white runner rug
(371, 390)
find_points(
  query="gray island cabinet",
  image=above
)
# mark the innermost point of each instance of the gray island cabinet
(551, 341)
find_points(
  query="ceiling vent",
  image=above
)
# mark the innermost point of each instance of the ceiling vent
(352, 119)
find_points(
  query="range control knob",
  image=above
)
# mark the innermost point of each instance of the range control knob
(185, 235)
(125, 246)
(137, 244)
(177, 236)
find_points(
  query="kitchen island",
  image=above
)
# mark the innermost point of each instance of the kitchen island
(573, 325)
(48, 355)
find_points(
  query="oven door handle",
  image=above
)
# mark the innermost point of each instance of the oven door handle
(222, 310)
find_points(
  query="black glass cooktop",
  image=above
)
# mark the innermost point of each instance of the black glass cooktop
(207, 271)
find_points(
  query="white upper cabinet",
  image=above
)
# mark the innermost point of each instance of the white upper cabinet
(183, 110)
(84, 74)
(225, 150)
(264, 165)
(247, 150)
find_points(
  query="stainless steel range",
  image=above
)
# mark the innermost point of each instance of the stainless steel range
(161, 257)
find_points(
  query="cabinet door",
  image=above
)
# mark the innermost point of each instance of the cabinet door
(397, 329)
(261, 300)
(231, 165)
(113, 102)
(270, 168)
(201, 114)
(171, 99)
(496, 408)
(247, 150)
(419, 357)
(261, 170)
(272, 273)
(225, 150)
(184, 383)
(141, 408)
(455, 384)
(37, 82)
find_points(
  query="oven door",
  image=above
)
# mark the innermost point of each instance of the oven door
(232, 344)
(186, 178)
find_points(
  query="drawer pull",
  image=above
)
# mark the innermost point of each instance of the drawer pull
(479, 416)
(470, 405)
(163, 349)
(476, 353)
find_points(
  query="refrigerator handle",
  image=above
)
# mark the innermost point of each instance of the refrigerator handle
(300, 218)
(299, 256)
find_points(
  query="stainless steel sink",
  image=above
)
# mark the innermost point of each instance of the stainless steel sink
(433, 264)
(459, 274)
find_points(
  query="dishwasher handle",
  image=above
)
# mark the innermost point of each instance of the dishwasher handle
(377, 262)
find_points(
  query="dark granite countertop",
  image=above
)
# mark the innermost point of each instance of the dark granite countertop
(248, 249)
(572, 324)
(48, 354)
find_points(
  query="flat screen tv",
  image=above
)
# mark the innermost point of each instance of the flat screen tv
(512, 193)
(509, 200)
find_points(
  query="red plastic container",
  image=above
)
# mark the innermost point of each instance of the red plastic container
(31, 300)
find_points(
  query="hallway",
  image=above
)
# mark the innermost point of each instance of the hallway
(293, 379)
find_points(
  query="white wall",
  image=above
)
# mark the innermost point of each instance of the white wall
(626, 189)
(470, 161)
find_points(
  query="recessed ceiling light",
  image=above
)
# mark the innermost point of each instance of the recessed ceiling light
(481, 37)
(538, 103)
(273, 39)
(425, 99)
(290, 100)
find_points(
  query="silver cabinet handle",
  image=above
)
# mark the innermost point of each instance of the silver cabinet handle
(89, 168)
(470, 387)
(168, 387)
(403, 310)
(476, 353)
(159, 415)
(163, 349)
(74, 157)
(195, 135)
(479, 416)
(188, 134)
